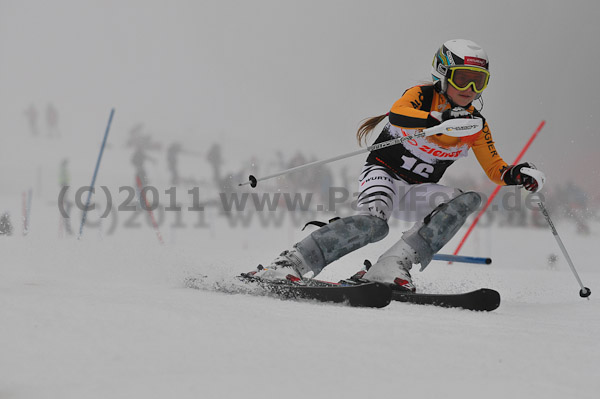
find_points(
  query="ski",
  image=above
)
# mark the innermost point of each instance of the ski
(483, 299)
(369, 294)
(355, 293)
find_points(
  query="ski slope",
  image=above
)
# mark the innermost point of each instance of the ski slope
(110, 317)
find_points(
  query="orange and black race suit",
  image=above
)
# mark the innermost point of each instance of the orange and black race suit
(425, 159)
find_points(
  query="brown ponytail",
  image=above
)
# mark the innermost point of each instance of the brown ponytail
(368, 126)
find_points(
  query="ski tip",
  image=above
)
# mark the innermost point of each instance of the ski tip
(483, 299)
(492, 299)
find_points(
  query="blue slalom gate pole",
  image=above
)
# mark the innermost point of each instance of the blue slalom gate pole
(87, 203)
(463, 259)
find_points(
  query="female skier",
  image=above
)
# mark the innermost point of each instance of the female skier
(401, 180)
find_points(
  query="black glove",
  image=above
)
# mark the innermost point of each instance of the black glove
(435, 118)
(514, 176)
(456, 112)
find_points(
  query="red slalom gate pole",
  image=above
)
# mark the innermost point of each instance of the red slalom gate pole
(491, 198)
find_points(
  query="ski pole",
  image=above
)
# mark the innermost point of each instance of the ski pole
(87, 202)
(454, 127)
(462, 259)
(497, 189)
(584, 292)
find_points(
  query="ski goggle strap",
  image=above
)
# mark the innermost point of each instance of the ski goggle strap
(463, 77)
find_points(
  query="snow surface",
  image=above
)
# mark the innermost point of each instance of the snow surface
(109, 316)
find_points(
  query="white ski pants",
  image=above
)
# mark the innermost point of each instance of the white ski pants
(384, 194)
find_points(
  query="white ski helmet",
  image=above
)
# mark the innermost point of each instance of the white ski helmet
(456, 53)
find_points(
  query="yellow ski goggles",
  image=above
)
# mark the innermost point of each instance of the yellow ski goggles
(462, 77)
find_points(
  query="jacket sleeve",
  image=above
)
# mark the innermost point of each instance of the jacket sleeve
(488, 157)
(410, 111)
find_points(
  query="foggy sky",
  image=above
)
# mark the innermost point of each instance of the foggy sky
(263, 75)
